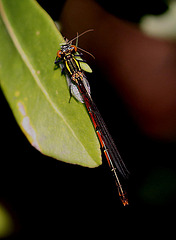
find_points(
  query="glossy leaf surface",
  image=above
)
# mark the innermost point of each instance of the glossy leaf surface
(38, 94)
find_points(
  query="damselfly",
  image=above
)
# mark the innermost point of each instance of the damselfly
(69, 60)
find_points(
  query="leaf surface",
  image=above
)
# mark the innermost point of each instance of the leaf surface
(37, 94)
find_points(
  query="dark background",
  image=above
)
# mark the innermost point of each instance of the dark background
(49, 198)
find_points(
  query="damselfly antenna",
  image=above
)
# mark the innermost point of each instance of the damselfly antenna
(89, 30)
(86, 52)
(77, 39)
(79, 35)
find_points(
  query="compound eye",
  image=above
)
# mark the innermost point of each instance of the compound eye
(74, 48)
(59, 53)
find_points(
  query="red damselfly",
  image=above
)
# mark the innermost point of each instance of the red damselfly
(69, 60)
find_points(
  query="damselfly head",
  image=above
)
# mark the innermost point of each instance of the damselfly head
(67, 47)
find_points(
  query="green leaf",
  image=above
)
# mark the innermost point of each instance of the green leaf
(37, 94)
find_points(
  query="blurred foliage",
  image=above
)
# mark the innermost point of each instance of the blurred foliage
(6, 222)
(163, 26)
